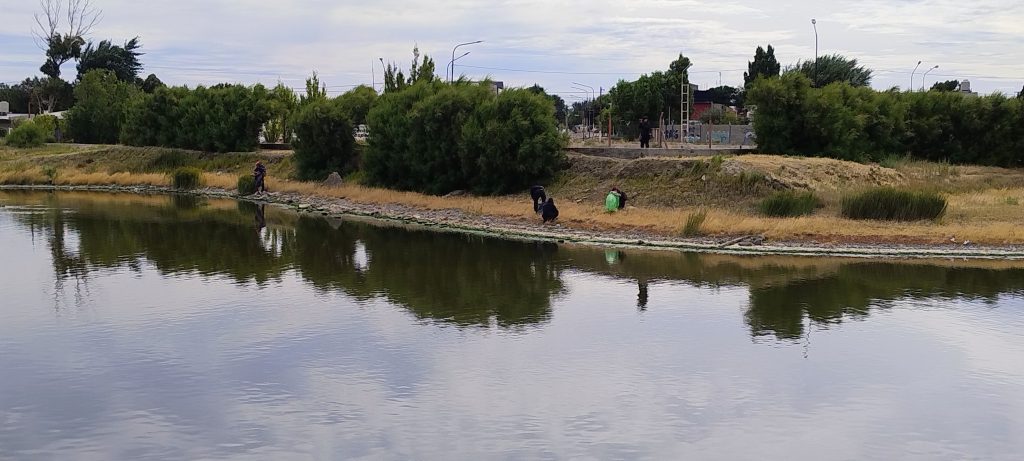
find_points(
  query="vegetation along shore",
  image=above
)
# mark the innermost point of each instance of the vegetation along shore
(727, 194)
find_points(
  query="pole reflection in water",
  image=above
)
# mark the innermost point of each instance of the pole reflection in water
(347, 338)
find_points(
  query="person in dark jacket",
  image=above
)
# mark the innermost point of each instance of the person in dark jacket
(622, 197)
(260, 174)
(645, 133)
(539, 197)
(549, 212)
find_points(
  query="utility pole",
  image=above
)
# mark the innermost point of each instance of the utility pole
(814, 22)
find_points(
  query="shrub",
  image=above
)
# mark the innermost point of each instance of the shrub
(246, 185)
(27, 134)
(50, 124)
(222, 118)
(3, 133)
(890, 204)
(789, 204)
(861, 124)
(510, 143)
(436, 138)
(325, 141)
(100, 107)
(186, 178)
(695, 223)
(50, 173)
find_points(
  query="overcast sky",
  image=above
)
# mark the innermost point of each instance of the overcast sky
(550, 42)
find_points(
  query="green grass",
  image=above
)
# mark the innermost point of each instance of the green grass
(695, 223)
(890, 204)
(186, 178)
(246, 185)
(789, 204)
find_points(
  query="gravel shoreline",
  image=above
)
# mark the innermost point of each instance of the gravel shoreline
(460, 221)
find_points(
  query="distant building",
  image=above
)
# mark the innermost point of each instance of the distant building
(965, 88)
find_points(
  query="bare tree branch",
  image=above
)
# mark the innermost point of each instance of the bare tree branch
(80, 17)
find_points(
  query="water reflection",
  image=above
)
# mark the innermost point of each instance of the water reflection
(464, 279)
(211, 329)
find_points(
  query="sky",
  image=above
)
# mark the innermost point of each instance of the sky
(562, 45)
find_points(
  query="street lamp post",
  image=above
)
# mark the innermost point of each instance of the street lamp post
(446, 69)
(926, 75)
(589, 106)
(452, 63)
(911, 87)
(814, 23)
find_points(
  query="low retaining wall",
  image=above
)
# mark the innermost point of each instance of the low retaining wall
(631, 153)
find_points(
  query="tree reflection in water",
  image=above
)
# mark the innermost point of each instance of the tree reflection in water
(462, 279)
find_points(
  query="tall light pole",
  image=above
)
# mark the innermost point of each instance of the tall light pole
(446, 69)
(926, 75)
(452, 63)
(814, 23)
(589, 106)
(911, 87)
(384, 76)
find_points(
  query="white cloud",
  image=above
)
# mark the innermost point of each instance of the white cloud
(194, 41)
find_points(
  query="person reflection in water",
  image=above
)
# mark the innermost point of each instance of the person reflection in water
(261, 220)
(641, 297)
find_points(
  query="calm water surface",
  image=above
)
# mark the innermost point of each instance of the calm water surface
(156, 327)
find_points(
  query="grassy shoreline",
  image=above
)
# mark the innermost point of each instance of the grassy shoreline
(983, 202)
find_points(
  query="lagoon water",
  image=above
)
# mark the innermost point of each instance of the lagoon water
(160, 327)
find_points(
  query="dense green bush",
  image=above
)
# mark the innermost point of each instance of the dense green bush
(858, 123)
(357, 103)
(186, 178)
(99, 111)
(324, 141)
(27, 134)
(436, 138)
(50, 124)
(789, 204)
(222, 118)
(511, 142)
(246, 184)
(891, 204)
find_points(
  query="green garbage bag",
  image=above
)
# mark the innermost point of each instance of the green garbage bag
(611, 202)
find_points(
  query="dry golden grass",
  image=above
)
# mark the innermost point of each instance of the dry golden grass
(985, 204)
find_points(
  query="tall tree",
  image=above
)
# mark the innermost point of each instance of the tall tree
(123, 61)
(151, 83)
(60, 31)
(315, 91)
(556, 101)
(947, 86)
(677, 75)
(763, 65)
(421, 71)
(834, 68)
(1021, 94)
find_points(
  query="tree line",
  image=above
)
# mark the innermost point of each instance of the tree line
(845, 121)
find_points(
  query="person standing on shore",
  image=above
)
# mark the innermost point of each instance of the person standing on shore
(538, 196)
(645, 133)
(260, 174)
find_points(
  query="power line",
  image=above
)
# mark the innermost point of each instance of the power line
(565, 72)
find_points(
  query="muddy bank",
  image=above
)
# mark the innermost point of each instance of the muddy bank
(456, 220)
